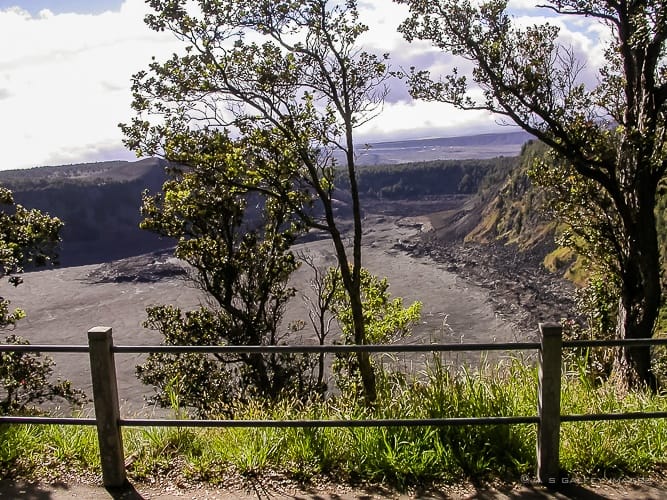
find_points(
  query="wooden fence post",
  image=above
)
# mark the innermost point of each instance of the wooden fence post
(107, 411)
(548, 404)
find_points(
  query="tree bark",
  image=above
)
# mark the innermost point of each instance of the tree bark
(363, 358)
(639, 302)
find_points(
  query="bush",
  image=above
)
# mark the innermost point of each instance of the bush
(25, 379)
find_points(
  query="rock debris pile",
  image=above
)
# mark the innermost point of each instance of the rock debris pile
(520, 288)
(147, 268)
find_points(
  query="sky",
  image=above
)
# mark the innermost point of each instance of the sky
(66, 67)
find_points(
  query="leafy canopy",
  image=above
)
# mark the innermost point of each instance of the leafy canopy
(289, 80)
(236, 240)
(385, 321)
(608, 138)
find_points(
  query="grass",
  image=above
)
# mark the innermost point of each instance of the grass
(399, 456)
(44, 450)
(611, 448)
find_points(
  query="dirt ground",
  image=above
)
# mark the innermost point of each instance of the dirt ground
(63, 304)
(653, 489)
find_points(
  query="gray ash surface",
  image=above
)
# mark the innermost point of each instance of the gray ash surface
(147, 268)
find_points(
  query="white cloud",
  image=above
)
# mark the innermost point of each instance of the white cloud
(524, 5)
(421, 119)
(65, 80)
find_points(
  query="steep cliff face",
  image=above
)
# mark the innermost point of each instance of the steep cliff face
(99, 204)
(515, 212)
(508, 210)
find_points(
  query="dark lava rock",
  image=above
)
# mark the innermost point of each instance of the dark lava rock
(519, 286)
(147, 268)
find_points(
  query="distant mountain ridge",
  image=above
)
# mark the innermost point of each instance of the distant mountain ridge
(481, 146)
(100, 202)
(495, 139)
(117, 171)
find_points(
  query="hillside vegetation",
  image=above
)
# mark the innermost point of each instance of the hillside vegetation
(509, 209)
(98, 202)
(416, 180)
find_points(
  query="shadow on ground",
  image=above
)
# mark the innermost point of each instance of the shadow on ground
(260, 490)
(31, 491)
(126, 492)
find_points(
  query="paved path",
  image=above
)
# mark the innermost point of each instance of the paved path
(598, 490)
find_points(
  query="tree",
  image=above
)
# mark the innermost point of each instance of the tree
(385, 320)
(320, 312)
(611, 135)
(238, 247)
(28, 238)
(25, 378)
(286, 72)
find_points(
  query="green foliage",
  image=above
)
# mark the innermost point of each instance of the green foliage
(198, 381)
(212, 384)
(28, 238)
(290, 80)
(598, 301)
(592, 227)
(25, 381)
(47, 452)
(241, 260)
(395, 456)
(513, 206)
(612, 448)
(608, 144)
(401, 457)
(661, 217)
(385, 320)
(430, 178)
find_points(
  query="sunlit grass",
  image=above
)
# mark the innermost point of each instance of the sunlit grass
(611, 447)
(399, 456)
(39, 450)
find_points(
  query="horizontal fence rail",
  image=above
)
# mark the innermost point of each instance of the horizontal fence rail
(615, 342)
(73, 349)
(382, 422)
(269, 349)
(109, 423)
(336, 349)
(15, 419)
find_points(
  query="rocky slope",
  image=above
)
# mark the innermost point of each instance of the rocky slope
(502, 240)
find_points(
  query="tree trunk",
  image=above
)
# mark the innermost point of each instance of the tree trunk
(259, 374)
(363, 358)
(639, 303)
(632, 365)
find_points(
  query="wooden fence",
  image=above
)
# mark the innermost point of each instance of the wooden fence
(109, 422)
